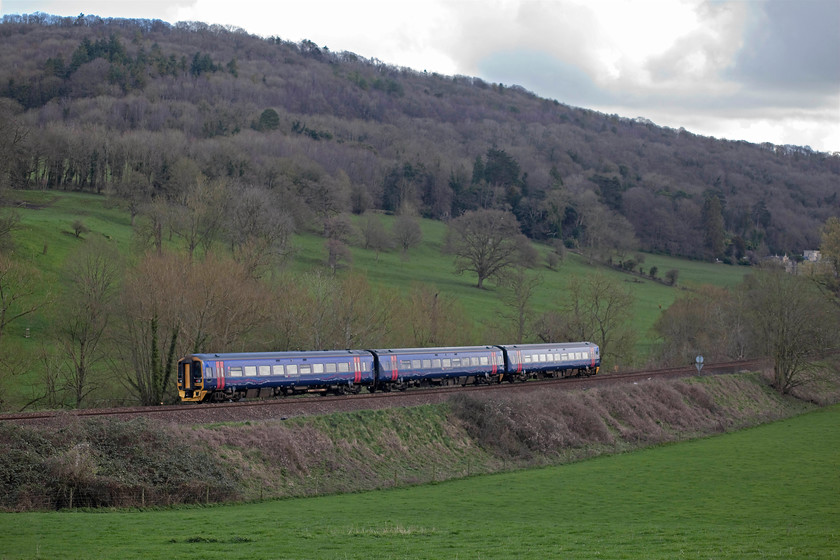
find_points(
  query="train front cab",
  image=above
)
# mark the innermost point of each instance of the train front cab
(191, 380)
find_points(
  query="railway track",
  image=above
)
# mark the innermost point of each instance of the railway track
(284, 408)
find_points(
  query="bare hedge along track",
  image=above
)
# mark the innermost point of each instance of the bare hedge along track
(287, 407)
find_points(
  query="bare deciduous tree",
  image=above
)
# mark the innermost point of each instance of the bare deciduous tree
(429, 318)
(13, 135)
(709, 321)
(407, 232)
(484, 242)
(374, 235)
(9, 221)
(198, 220)
(259, 229)
(85, 313)
(597, 309)
(792, 324)
(518, 288)
(173, 306)
(18, 284)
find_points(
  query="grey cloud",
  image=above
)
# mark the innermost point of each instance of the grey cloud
(790, 45)
(545, 75)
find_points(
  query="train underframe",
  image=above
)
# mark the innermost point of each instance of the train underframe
(483, 379)
(233, 394)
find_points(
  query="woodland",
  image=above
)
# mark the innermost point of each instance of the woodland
(158, 115)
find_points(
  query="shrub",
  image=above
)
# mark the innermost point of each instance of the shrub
(79, 228)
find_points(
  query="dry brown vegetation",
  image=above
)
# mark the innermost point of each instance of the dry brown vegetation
(141, 463)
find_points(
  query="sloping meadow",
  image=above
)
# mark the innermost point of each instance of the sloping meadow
(143, 463)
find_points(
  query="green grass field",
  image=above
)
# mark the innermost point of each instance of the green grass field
(766, 492)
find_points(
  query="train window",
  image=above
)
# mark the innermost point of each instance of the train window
(485, 360)
(208, 373)
(447, 362)
(278, 370)
(291, 370)
(331, 368)
(317, 368)
(265, 370)
(235, 372)
(526, 359)
(436, 363)
(427, 364)
(405, 364)
(343, 367)
(556, 357)
(250, 371)
(456, 362)
(565, 357)
(415, 364)
(305, 369)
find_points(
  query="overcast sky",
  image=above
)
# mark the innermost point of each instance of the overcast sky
(758, 70)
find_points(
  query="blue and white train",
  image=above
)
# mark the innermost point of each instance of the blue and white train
(233, 376)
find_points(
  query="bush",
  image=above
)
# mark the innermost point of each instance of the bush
(79, 228)
(106, 463)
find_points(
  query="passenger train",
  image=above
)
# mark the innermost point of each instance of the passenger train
(233, 376)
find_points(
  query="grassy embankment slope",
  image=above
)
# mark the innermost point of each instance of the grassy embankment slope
(769, 491)
(46, 239)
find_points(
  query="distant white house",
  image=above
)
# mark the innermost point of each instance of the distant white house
(812, 256)
(811, 263)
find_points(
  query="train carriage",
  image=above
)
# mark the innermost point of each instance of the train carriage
(232, 376)
(551, 360)
(400, 368)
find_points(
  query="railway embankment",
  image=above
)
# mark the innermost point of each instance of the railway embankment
(145, 463)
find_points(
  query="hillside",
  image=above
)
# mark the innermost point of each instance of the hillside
(46, 246)
(140, 109)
